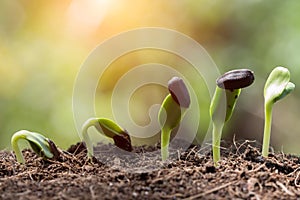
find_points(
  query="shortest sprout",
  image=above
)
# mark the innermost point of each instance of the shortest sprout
(277, 86)
(171, 112)
(41, 145)
(109, 129)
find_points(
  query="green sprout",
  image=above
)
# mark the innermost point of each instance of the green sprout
(41, 145)
(277, 86)
(231, 82)
(109, 129)
(172, 111)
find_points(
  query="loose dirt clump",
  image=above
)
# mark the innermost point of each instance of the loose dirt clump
(191, 174)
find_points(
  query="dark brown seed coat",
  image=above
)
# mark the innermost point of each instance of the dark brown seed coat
(179, 92)
(236, 79)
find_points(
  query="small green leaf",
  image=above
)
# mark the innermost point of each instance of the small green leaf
(231, 99)
(220, 99)
(108, 127)
(287, 90)
(170, 113)
(277, 85)
(39, 144)
(216, 111)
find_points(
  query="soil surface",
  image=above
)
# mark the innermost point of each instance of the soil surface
(241, 174)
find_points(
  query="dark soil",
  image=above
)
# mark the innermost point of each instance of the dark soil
(241, 174)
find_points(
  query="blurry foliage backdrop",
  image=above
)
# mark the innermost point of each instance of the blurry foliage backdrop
(44, 43)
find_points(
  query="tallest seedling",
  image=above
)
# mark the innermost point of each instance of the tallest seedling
(277, 86)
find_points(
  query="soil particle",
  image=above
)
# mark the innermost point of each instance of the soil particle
(242, 173)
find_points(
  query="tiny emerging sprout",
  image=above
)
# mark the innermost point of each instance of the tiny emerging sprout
(231, 82)
(171, 112)
(41, 145)
(277, 86)
(109, 129)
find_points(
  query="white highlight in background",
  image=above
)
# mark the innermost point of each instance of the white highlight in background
(85, 16)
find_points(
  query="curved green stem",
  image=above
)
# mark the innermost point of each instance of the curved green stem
(90, 122)
(267, 129)
(165, 140)
(15, 146)
(38, 143)
(109, 129)
(217, 133)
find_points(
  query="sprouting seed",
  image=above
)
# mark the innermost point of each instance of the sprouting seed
(109, 129)
(277, 86)
(236, 79)
(172, 111)
(41, 145)
(228, 89)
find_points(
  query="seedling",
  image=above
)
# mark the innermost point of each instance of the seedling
(231, 82)
(109, 129)
(277, 86)
(41, 145)
(171, 112)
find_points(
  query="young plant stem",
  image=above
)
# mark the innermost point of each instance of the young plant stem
(221, 109)
(217, 133)
(218, 116)
(165, 138)
(169, 117)
(90, 122)
(267, 128)
(15, 147)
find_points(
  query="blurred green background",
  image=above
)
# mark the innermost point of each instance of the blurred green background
(44, 43)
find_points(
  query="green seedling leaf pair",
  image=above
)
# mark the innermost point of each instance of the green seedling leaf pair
(228, 90)
(41, 145)
(277, 86)
(171, 112)
(108, 128)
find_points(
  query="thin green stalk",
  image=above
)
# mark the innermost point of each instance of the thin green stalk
(267, 128)
(165, 140)
(217, 132)
(87, 141)
(169, 117)
(15, 147)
